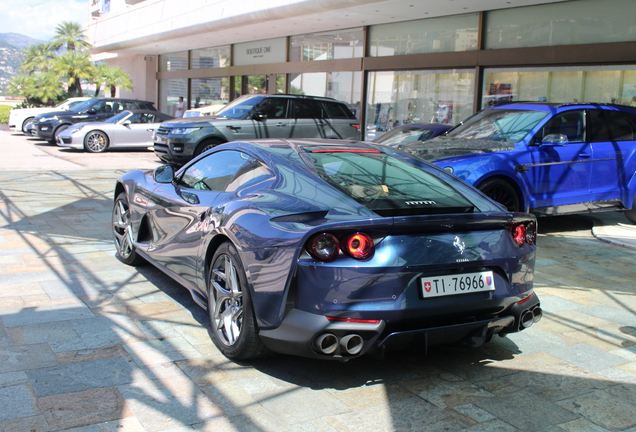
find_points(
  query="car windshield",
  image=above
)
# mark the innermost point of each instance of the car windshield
(508, 125)
(64, 105)
(404, 135)
(82, 106)
(384, 184)
(241, 107)
(115, 119)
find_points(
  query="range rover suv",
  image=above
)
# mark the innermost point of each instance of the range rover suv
(252, 117)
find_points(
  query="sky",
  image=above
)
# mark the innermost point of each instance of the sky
(38, 18)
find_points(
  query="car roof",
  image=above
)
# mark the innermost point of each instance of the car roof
(552, 106)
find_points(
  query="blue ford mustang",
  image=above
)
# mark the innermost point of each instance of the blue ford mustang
(330, 249)
(548, 159)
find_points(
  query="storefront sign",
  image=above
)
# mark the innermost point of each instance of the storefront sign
(260, 52)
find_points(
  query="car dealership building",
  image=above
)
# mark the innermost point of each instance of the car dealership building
(391, 61)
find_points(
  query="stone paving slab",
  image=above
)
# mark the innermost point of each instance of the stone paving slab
(88, 344)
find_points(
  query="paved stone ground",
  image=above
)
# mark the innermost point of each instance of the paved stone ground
(88, 344)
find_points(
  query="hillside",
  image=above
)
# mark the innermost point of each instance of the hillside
(18, 41)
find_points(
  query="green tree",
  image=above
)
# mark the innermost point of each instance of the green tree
(72, 35)
(114, 77)
(45, 87)
(75, 65)
(37, 57)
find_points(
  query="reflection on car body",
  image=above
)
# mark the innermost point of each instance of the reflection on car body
(330, 249)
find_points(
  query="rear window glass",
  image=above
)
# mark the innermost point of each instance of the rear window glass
(386, 185)
(335, 110)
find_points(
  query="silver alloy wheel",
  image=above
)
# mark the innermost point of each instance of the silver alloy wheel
(227, 301)
(96, 141)
(122, 229)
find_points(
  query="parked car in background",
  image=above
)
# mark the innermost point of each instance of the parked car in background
(130, 128)
(412, 132)
(330, 249)
(19, 118)
(256, 116)
(203, 111)
(48, 126)
(549, 159)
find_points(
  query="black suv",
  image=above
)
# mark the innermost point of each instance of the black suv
(48, 126)
(255, 116)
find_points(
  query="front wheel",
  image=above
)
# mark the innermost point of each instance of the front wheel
(122, 232)
(26, 123)
(96, 141)
(205, 146)
(232, 319)
(502, 192)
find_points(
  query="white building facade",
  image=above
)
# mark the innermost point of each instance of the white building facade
(392, 62)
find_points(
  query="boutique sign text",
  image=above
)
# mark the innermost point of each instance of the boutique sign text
(268, 51)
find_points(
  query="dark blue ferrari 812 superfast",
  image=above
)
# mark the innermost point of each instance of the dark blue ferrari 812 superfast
(330, 249)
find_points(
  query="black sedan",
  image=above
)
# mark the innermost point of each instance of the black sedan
(330, 249)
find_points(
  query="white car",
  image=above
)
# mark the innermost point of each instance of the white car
(130, 128)
(19, 118)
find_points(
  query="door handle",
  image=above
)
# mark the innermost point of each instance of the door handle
(281, 124)
(585, 155)
(234, 128)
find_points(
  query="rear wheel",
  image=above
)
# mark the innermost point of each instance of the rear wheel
(25, 123)
(205, 146)
(232, 318)
(96, 141)
(502, 192)
(630, 214)
(122, 232)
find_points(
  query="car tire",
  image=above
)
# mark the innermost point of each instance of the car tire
(122, 232)
(630, 214)
(96, 142)
(57, 132)
(232, 320)
(205, 146)
(502, 192)
(25, 123)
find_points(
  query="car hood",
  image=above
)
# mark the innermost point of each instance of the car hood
(35, 111)
(448, 147)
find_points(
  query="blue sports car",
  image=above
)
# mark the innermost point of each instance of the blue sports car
(548, 159)
(330, 249)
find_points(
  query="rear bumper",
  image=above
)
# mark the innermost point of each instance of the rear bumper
(301, 333)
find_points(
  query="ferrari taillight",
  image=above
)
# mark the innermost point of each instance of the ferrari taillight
(358, 245)
(326, 246)
(523, 232)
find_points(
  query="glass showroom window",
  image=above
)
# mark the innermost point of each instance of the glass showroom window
(173, 61)
(343, 86)
(431, 35)
(210, 58)
(603, 84)
(209, 91)
(567, 23)
(397, 98)
(170, 90)
(337, 44)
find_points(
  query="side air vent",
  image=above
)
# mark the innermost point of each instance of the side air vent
(301, 217)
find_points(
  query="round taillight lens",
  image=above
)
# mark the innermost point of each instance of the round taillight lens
(531, 232)
(358, 245)
(324, 247)
(519, 234)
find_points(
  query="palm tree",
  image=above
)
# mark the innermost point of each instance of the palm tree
(75, 65)
(70, 34)
(99, 74)
(117, 77)
(37, 58)
(44, 86)
(17, 85)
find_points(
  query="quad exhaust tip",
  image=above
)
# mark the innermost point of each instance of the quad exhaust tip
(352, 344)
(538, 314)
(326, 343)
(527, 319)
